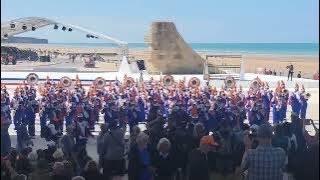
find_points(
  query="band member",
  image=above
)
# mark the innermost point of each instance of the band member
(266, 102)
(5, 123)
(294, 101)
(30, 113)
(276, 109)
(18, 108)
(304, 102)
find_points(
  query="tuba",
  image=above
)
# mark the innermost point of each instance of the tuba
(194, 82)
(229, 82)
(255, 84)
(128, 81)
(99, 82)
(32, 78)
(168, 80)
(65, 81)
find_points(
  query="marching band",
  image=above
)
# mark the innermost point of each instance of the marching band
(67, 102)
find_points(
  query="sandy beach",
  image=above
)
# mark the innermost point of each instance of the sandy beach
(307, 64)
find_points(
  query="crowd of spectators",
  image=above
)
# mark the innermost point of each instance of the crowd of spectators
(175, 150)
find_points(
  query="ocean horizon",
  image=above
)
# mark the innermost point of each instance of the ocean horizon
(243, 48)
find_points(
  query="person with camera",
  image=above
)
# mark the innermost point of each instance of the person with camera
(290, 71)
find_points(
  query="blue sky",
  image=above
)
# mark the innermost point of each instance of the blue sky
(197, 20)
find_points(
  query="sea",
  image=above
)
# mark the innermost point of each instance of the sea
(311, 49)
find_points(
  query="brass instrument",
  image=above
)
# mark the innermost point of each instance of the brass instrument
(32, 78)
(168, 80)
(65, 81)
(285, 92)
(194, 82)
(128, 81)
(306, 95)
(229, 82)
(255, 84)
(99, 82)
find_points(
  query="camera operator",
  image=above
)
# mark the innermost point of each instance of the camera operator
(290, 71)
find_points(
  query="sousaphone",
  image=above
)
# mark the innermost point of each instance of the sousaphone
(99, 82)
(168, 80)
(128, 81)
(255, 84)
(66, 81)
(32, 78)
(229, 82)
(194, 82)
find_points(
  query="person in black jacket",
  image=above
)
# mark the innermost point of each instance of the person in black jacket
(164, 161)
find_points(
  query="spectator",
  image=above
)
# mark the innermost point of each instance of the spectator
(198, 165)
(7, 172)
(139, 167)
(82, 159)
(41, 171)
(68, 169)
(67, 142)
(103, 131)
(133, 136)
(113, 151)
(58, 155)
(20, 177)
(279, 140)
(23, 165)
(78, 178)
(58, 172)
(271, 161)
(164, 161)
(33, 157)
(198, 133)
(91, 171)
(12, 157)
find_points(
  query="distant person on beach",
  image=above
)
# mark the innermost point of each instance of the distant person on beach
(316, 76)
(299, 74)
(290, 71)
(73, 57)
(274, 72)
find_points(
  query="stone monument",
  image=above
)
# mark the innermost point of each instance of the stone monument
(169, 53)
